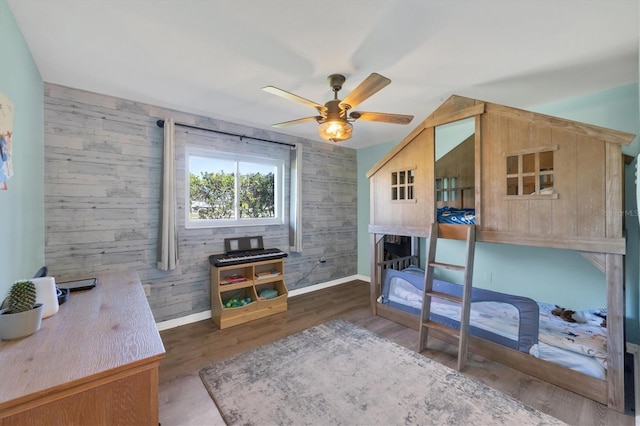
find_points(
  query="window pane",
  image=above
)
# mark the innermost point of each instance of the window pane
(394, 178)
(512, 165)
(257, 190)
(528, 185)
(394, 193)
(546, 160)
(402, 197)
(410, 192)
(402, 178)
(529, 163)
(411, 175)
(512, 186)
(211, 183)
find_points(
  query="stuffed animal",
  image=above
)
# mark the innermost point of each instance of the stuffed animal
(573, 316)
(565, 314)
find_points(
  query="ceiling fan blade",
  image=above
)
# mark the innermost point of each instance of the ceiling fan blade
(382, 117)
(366, 89)
(292, 97)
(298, 121)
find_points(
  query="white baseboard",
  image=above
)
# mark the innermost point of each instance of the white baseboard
(320, 286)
(177, 322)
(200, 316)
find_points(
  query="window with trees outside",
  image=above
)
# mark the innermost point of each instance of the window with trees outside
(232, 190)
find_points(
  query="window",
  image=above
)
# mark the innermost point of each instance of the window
(402, 185)
(530, 174)
(232, 190)
(446, 189)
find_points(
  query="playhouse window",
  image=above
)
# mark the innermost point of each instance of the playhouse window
(402, 185)
(446, 188)
(530, 173)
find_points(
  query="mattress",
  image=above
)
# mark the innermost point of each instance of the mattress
(579, 346)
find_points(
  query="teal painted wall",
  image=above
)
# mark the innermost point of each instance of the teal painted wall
(366, 158)
(22, 205)
(614, 108)
(557, 276)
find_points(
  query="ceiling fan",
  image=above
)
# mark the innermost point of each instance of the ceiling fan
(335, 119)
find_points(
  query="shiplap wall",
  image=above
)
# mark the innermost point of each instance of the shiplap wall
(103, 164)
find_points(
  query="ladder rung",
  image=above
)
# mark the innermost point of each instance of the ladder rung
(445, 296)
(443, 328)
(447, 266)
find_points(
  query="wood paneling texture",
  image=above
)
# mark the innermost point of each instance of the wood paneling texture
(420, 212)
(494, 186)
(590, 188)
(103, 166)
(579, 177)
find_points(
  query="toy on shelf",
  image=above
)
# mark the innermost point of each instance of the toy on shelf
(236, 302)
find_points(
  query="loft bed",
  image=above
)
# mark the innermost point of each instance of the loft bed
(526, 179)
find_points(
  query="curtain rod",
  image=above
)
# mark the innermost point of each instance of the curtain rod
(160, 124)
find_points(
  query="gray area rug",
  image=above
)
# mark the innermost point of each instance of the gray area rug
(340, 374)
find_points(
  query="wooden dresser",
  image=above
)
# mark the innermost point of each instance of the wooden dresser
(95, 362)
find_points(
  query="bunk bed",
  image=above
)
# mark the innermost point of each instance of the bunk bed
(521, 178)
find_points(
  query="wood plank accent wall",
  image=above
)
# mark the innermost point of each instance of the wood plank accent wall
(103, 161)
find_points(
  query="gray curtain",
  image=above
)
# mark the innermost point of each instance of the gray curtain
(168, 242)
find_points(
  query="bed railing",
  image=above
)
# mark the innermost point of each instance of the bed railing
(399, 263)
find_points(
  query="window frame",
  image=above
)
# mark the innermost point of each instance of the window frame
(536, 173)
(402, 190)
(279, 183)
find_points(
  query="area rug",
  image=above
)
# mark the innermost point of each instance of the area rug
(340, 374)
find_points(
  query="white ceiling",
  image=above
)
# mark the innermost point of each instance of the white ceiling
(212, 57)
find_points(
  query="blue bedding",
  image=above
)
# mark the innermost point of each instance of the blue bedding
(456, 216)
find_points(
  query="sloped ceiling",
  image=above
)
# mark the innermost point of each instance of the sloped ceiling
(213, 57)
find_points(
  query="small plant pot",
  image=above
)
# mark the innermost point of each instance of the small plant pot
(22, 324)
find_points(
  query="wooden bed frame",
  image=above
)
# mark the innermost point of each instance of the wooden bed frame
(511, 152)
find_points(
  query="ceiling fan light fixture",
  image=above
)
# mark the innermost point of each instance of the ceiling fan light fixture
(335, 130)
(334, 121)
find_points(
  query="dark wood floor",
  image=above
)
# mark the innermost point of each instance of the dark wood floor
(185, 401)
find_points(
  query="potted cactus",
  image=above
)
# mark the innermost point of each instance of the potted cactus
(20, 316)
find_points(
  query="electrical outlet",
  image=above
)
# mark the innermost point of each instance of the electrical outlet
(323, 259)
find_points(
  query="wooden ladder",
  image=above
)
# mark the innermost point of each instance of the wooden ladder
(453, 232)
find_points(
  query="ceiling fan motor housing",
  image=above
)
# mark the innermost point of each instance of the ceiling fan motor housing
(336, 81)
(334, 111)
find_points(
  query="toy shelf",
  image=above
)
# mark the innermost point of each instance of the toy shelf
(231, 285)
